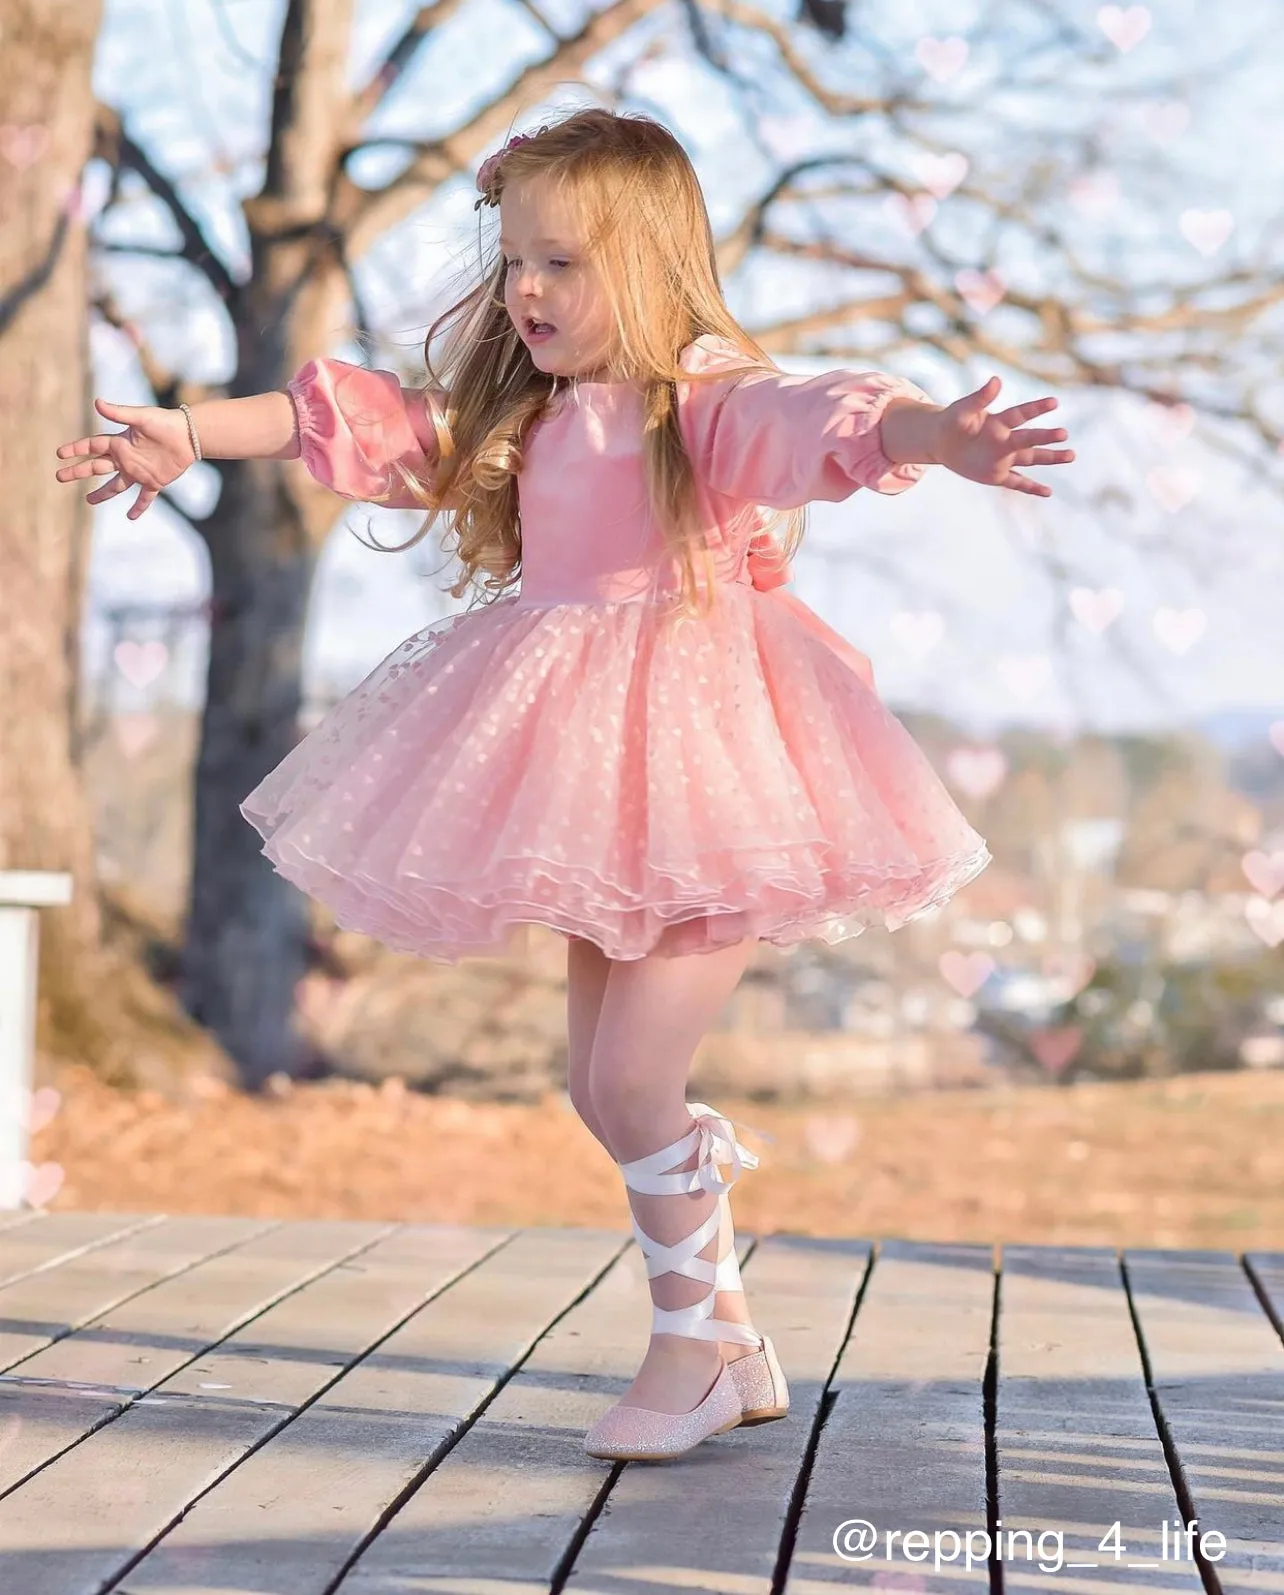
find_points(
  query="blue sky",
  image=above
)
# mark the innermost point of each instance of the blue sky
(996, 567)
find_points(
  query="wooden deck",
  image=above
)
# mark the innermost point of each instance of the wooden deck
(207, 1405)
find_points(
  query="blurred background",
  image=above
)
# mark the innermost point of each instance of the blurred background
(1087, 1042)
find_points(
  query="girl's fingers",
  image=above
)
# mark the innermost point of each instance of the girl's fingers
(1023, 484)
(1026, 412)
(984, 394)
(117, 412)
(146, 497)
(1037, 434)
(1044, 457)
(98, 444)
(99, 466)
(100, 495)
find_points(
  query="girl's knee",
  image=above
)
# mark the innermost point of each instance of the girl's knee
(635, 1111)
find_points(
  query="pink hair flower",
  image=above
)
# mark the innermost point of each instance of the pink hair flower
(488, 171)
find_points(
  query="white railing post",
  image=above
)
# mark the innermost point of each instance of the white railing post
(22, 893)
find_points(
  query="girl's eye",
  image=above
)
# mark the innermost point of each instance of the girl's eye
(515, 260)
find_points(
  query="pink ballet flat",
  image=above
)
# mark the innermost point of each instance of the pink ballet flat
(636, 1434)
(750, 1389)
(760, 1384)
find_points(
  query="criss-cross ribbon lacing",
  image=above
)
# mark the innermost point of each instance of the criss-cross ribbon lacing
(712, 1134)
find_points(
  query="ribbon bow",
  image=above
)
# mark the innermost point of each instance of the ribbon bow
(768, 571)
(489, 168)
(767, 568)
(715, 1146)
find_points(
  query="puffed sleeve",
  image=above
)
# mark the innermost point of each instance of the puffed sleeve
(781, 441)
(353, 422)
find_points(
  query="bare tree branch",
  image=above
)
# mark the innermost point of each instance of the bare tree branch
(168, 388)
(398, 59)
(363, 216)
(113, 145)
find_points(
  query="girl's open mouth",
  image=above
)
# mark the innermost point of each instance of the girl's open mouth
(537, 331)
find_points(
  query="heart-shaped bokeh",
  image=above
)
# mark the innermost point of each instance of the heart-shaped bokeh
(966, 973)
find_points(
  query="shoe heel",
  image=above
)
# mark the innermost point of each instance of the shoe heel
(778, 1405)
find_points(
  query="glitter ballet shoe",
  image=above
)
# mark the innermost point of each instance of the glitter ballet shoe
(760, 1384)
(637, 1434)
(629, 1433)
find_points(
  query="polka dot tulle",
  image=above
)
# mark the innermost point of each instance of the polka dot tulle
(617, 771)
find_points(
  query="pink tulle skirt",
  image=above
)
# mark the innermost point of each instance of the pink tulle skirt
(619, 772)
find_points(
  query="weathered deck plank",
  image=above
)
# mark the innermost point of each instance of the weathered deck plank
(80, 1337)
(92, 1508)
(507, 1506)
(715, 1519)
(232, 1406)
(1217, 1366)
(296, 1511)
(51, 1239)
(903, 1445)
(1266, 1270)
(1080, 1465)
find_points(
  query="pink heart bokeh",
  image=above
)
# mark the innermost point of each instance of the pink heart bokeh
(1124, 29)
(1173, 485)
(912, 211)
(941, 174)
(1055, 1048)
(1207, 230)
(1070, 970)
(1264, 872)
(41, 1182)
(41, 1107)
(976, 771)
(830, 1140)
(140, 662)
(22, 145)
(980, 290)
(1179, 629)
(1266, 919)
(941, 58)
(1096, 608)
(966, 973)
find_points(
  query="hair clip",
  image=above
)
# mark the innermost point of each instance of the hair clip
(488, 171)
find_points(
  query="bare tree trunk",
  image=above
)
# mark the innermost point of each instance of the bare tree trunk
(94, 1006)
(246, 929)
(245, 943)
(46, 110)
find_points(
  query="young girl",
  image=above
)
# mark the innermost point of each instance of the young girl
(649, 746)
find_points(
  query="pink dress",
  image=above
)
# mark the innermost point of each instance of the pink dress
(577, 754)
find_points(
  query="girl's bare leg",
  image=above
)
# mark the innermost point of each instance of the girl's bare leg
(587, 967)
(653, 1013)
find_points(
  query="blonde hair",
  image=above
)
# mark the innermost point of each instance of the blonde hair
(632, 188)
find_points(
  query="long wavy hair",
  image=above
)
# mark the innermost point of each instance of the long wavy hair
(646, 235)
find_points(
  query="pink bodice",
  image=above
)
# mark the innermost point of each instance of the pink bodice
(766, 439)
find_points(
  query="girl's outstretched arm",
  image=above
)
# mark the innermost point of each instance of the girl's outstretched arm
(772, 438)
(156, 447)
(347, 424)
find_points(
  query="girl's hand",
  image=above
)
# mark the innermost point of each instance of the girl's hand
(153, 451)
(985, 447)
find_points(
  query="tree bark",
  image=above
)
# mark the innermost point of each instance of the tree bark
(247, 927)
(46, 117)
(246, 938)
(96, 1006)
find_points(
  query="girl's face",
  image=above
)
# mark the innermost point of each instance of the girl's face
(548, 282)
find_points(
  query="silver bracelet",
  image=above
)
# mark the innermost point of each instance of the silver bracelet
(191, 431)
